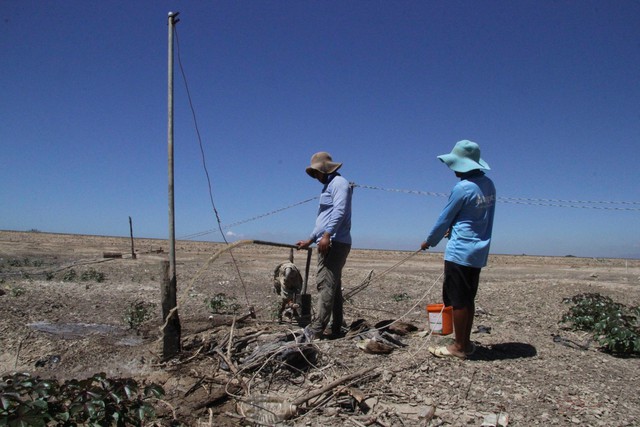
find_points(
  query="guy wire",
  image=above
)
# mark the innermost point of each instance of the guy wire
(204, 165)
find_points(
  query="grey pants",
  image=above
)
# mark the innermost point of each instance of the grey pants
(329, 284)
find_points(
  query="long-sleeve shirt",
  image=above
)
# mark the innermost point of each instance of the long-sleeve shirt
(469, 214)
(334, 212)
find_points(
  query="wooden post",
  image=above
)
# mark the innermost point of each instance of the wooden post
(171, 329)
(133, 252)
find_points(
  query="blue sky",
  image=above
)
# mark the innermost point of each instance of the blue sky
(549, 89)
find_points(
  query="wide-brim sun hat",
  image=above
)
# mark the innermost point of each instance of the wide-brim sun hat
(322, 162)
(464, 157)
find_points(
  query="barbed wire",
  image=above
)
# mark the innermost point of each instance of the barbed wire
(571, 201)
(244, 221)
(556, 203)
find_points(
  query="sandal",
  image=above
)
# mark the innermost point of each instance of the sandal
(444, 353)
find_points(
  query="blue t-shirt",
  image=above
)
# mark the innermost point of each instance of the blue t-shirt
(334, 212)
(469, 214)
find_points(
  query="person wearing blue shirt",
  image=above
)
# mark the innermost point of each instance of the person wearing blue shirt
(332, 236)
(467, 220)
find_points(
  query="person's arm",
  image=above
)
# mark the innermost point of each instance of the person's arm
(446, 219)
(304, 244)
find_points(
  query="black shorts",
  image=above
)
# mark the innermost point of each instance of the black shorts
(460, 285)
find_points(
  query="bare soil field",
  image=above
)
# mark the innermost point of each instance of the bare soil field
(64, 307)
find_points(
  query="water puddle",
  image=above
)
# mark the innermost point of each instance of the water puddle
(74, 330)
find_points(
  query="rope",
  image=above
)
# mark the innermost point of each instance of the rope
(369, 278)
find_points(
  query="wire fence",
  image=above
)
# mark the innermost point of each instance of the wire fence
(556, 203)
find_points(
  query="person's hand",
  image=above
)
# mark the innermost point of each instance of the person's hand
(447, 234)
(324, 244)
(424, 246)
(304, 244)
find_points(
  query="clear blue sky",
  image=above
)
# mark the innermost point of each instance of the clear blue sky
(549, 89)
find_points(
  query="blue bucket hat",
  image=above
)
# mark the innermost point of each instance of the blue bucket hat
(464, 157)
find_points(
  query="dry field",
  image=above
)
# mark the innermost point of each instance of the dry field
(57, 324)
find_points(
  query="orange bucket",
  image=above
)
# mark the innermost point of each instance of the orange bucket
(440, 319)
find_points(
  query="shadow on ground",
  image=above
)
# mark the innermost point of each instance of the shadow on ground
(503, 351)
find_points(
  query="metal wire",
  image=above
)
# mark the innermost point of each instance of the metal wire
(558, 203)
(206, 171)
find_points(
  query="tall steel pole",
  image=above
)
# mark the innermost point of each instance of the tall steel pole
(171, 329)
(172, 222)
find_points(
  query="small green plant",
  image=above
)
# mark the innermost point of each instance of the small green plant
(137, 313)
(14, 262)
(69, 275)
(223, 304)
(401, 297)
(275, 310)
(92, 275)
(95, 401)
(16, 292)
(615, 326)
(49, 275)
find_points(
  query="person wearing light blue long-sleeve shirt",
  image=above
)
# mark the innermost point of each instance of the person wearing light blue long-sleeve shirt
(334, 212)
(467, 220)
(332, 236)
(468, 217)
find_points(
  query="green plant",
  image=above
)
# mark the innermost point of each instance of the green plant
(137, 313)
(400, 297)
(614, 326)
(17, 291)
(14, 262)
(96, 401)
(69, 275)
(275, 309)
(220, 303)
(92, 274)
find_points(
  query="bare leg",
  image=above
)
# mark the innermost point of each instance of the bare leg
(469, 346)
(462, 322)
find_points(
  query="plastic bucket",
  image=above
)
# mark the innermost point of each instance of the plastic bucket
(440, 319)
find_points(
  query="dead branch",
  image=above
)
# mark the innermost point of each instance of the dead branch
(230, 342)
(217, 396)
(15, 365)
(304, 399)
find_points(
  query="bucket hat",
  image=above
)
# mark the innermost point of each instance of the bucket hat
(464, 157)
(322, 162)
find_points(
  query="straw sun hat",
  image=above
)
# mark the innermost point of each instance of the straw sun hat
(322, 162)
(464, 157)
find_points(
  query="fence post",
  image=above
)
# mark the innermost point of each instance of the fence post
(171, 327)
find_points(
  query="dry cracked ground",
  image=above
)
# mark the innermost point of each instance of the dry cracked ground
(64, 315)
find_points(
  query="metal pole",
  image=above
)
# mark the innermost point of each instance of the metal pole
(171, 330)
(172, 222)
